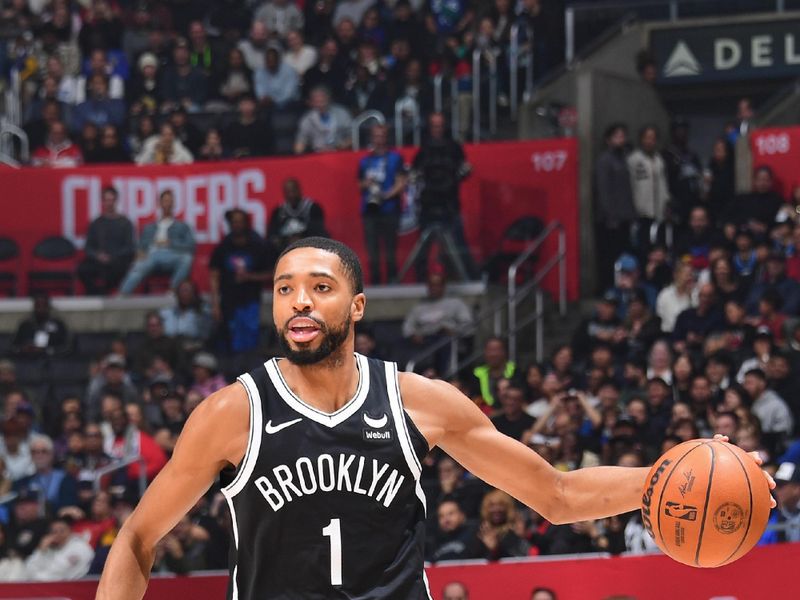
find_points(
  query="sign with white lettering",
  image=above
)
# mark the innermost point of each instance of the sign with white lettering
(768, 49)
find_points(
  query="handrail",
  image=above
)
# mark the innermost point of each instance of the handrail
(407, 104)
(454, 109)
(438, 99)
(355, 128)
(121, 464)
(493, 95)
(9, 129)
(514, 297)
(476, 95)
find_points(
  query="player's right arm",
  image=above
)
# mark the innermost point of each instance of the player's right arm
(214, 437)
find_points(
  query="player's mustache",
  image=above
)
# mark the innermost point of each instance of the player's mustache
(316, 320)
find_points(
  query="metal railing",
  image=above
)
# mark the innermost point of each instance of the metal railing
(407, 107)
(438, 97)
(494, 313)
(8, 133)
(515, 295)
(123, 463)
(455, 110)
(358, 122)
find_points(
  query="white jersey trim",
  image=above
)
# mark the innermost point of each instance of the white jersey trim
(328, 419)
(399, 417)
(253, 441)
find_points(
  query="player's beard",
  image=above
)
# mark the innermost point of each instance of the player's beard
(332, 340)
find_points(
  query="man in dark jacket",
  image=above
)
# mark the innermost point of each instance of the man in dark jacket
(614, 209)
(109, 248)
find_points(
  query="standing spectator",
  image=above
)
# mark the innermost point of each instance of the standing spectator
(382, 179)
(58, 150)
(166, 245)
(279, 16)
(254, 47)
(277, 84)
(300, 56)
(442, 166)
(58, 488)
(61, 555)
(183, 84)
(684, 171)
(99, 108)
(41, 333)
(248, 135)
(109, 248)
(649, 187)
(297, 217)
(757, 210)
(234, 81)
(164, 149)
(325, 127)
(238, 269)
(614, 207)
(676, 297)
(496, 367)
(721, 176)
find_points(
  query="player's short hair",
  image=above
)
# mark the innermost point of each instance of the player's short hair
(350, 263)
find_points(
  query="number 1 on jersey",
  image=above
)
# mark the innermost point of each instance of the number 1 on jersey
(334, 531)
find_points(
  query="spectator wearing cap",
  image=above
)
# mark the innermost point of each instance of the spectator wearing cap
(58, 487)
(183, 84)
(206, 378)
(40, 334)
(113, 379)
(238, 269)
(676, 297)
(324, 127)
(756, 210)
(28, 525)
(277, 84)
(774, 278)
(784, 522)
(771, 410)
(627, 280)
(61, 555)
(614, 208)
(144, 94)
(694, 324)
(603, 326)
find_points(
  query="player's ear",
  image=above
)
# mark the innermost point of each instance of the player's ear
(357, 307)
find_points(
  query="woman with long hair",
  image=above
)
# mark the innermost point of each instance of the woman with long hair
(496, 533)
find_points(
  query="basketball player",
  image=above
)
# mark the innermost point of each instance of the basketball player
(319, 458)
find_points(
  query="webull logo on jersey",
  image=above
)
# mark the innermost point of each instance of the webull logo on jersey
(342, 473)
(373, 431)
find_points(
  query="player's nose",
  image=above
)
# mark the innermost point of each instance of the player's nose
(302, 300)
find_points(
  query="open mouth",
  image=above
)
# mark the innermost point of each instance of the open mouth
(303, 330)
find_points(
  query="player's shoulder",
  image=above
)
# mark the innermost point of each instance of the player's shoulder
(416, 389)
(227, 407)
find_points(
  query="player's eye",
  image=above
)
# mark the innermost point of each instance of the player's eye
(284, 289)
(323, 287)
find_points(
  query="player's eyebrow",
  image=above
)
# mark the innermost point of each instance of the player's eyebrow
(283, 276)
(288, 276)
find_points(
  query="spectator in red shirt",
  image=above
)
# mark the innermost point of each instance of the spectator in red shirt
(99, 525)
(58, 150)
(127, 441)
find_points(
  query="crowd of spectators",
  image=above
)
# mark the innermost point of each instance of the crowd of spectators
(103, 80)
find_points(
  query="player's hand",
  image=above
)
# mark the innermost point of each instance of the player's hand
(759, 461)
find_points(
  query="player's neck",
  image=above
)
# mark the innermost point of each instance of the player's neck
(327, 385)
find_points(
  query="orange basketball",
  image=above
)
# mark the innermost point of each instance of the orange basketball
(705, 503)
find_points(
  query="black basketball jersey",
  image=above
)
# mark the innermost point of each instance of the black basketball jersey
(328, 505)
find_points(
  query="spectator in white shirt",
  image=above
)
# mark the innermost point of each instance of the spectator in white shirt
(279, 16)
(61, 555)
(254, 47)
(164, 149)
(677, 297)
(300, 56)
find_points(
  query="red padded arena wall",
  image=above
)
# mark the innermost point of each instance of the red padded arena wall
(510, 179)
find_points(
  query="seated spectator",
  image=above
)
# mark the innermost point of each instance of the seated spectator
(279, 17)
(58, 488)
(98, 526)
(694, 324)
(325, 127)
(172, 420)
(95, 457)
(299, 55)
(695, 243)
(772, 412)
(774, 278)
(756, 211)
(37, 125)
(109, 248)
(434, 318)
(603, 326)
(182, 550)
(770, 315)
(99, 108)
(238, 269)
(206, 378)
(126, 441)
(212, 149)
(496, 534)
(144, 92)
(12, 567)
(642, 327)
(235, 81)
(513, 421)
(726, 281)
(496, 367)
(99, 65)
(203, 54)
(15, 450)
(156, 344)
(677, 297)
(185, 131)
(143, 129)
(628, 279)
(58, 150)
(183, 84)
(297, 217)
(110, 148)
(784, 522)
(329, 72)
(365, 90)
(166, 246)
(40, 334)
(190, 319)
(254, 47)
(114, 380)
(61, 555)
(164, 149)
(249, 135)
(455, 537)
(277, 84)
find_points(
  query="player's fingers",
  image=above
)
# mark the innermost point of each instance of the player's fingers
(721, 438)
(756, 457)
(770, 480)
(772, 502)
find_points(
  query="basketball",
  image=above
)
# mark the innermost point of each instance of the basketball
(705, 503)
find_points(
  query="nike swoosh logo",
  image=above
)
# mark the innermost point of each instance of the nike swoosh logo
(270, 428)
(376, 423)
